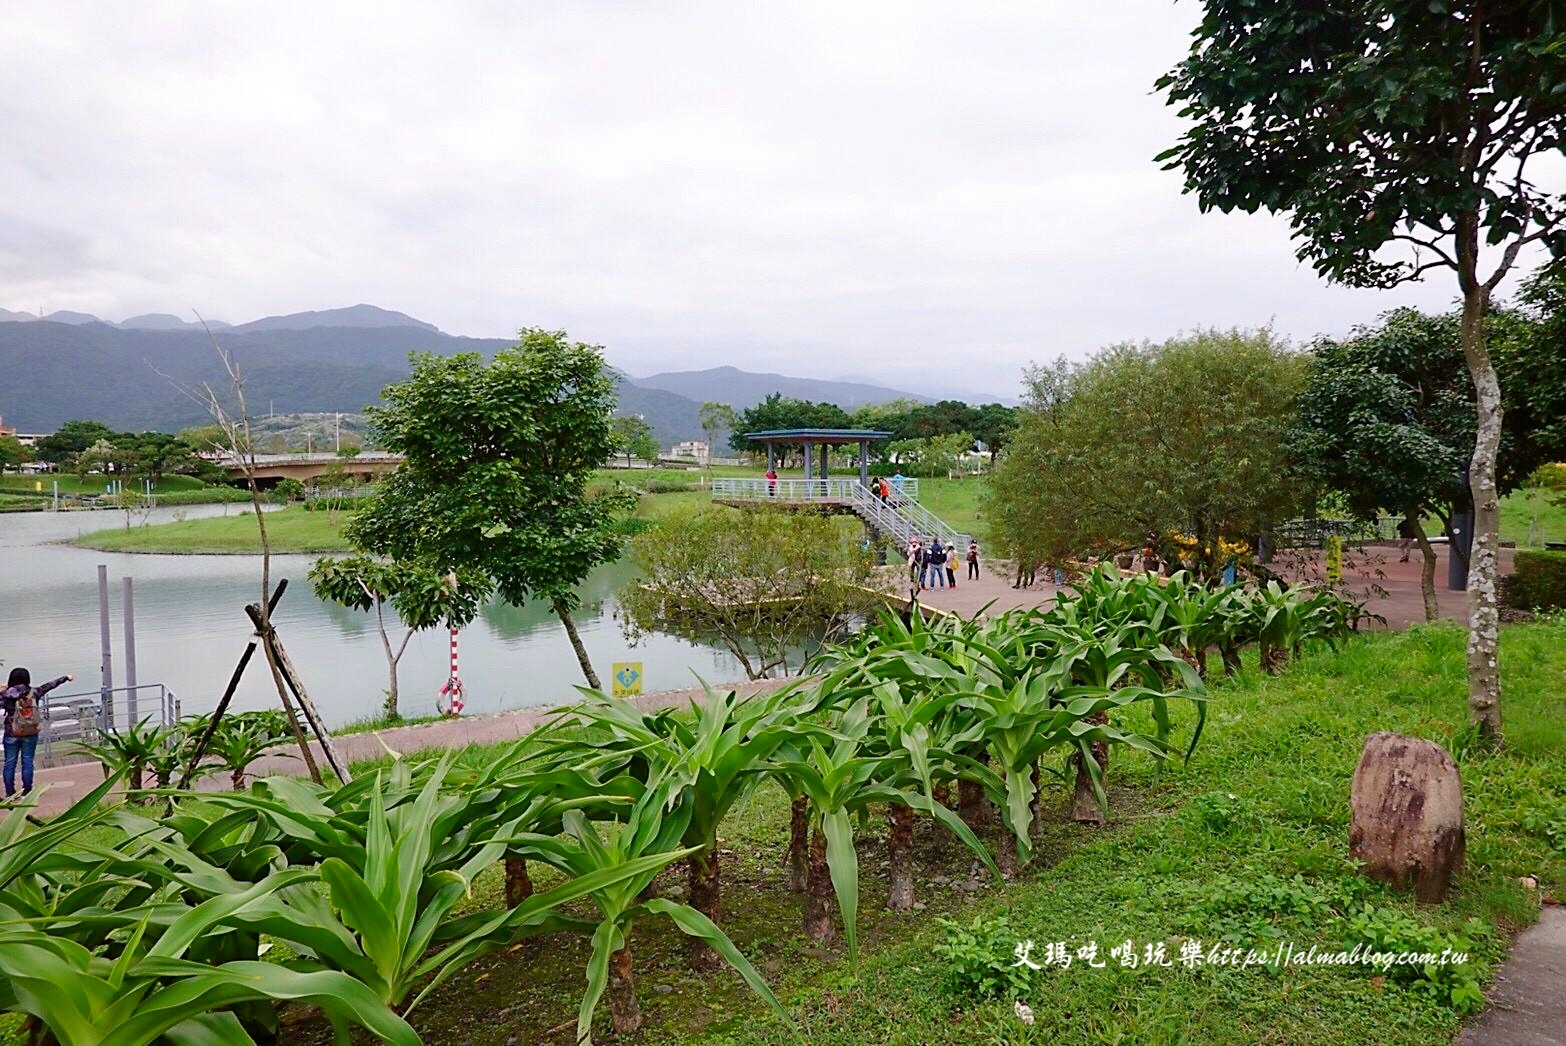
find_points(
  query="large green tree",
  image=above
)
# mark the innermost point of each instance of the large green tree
(633, 437)
(498, 460)
(1141, 442)
(1396, 135)
(780, 412)
(715, 420)
(61, 446)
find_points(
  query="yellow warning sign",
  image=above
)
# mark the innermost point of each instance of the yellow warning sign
(627, 678)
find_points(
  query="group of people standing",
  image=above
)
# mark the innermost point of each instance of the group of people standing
(934, 565)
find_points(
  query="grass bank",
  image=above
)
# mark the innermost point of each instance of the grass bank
(289, 529)
(1247, 845)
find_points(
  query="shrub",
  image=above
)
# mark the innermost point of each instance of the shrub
(981, 959)
(1389, 931)
(288, 489)
(1537, 581)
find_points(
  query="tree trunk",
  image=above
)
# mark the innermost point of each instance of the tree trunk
(392, 713)
(818, 894)
(564, 613)
(1006, 852)
(622, 991)
(705, 895)
(1426, 570)
(1484, 678)
(942, 794)
(1084, 804)
(798, 859)
(519, 885)
(899, 852)
(1231, 657)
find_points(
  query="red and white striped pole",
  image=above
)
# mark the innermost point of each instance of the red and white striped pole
(453, 688)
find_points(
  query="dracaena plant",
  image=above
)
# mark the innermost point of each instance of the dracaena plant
(711, 755)
(844, 767)
(622, 858)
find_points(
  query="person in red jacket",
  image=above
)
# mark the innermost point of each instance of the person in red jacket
(23, 720)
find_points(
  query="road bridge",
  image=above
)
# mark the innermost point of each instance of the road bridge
(270, 469)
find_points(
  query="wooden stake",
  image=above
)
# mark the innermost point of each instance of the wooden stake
(279, 657)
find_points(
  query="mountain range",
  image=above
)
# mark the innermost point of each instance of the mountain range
(138, 373)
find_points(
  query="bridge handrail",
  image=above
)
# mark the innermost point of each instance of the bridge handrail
(906, 518)
(798, 489)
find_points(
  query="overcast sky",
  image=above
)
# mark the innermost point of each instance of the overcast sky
(928, 194)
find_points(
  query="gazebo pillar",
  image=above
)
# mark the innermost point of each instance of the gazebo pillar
(864, 463)
(809, 464)
(770, 459)
(826, 456)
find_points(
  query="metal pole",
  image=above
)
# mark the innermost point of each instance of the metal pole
(130, 651)
(106, 666)
(864, 463)
(57, 495)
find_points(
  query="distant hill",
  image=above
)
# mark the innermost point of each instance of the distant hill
(74, 318)
(164, 321)
(7, 316)
(59, 371)
(353, 316)
(741, 389)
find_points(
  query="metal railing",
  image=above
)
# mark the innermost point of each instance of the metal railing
(902, 517)
(899, 515)
(81, 717)
(800, 489)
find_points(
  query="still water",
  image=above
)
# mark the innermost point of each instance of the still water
(191, 628)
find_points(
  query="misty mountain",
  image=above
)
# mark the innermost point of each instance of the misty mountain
(165, 321)
(353, 316)
(57, 371)
(73, 318)
(741, 389)
(7, 316)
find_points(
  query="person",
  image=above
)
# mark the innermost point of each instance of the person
(973, 561)
(1405, 530)
(772, 481)
(951, 566)
(934, 560)
(915, 564)
(883, 489)
(23, 721)
(897, 481)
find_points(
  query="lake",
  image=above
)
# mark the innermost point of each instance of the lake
(191, 628)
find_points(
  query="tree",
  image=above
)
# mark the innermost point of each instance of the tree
(1386, 419)
(716, 419)
(12, 453)
(765, 583)
(1376, 124)
(1142, 443)
(779, 412)
(498, 457)
(70, 439)
(634, 438)
(942, 455)
(422, 596)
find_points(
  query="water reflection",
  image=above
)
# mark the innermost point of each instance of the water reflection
(191, 628)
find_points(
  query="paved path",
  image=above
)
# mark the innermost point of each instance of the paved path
(1527, 1006)
(66, 784)
(1402, 605)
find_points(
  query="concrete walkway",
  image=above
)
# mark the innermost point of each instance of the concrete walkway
(1527, 1006)
(60, 786)
(1402, 604)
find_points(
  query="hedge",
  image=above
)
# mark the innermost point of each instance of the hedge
(1537, 581)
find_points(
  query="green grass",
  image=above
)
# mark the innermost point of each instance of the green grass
(290, 529)
(72, 484)
(1207, 852)
(1532, 520)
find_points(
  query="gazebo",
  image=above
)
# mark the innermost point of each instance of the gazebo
(824, 438)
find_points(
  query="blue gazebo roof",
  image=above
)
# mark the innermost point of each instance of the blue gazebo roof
(816, 435)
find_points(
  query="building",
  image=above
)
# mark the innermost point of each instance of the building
(691, 448)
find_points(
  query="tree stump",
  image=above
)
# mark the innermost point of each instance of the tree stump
(1408, 815)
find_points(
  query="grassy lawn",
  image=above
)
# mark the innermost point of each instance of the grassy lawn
(290, 530)
(1246, 845)
(1531, 521)
(72, 484)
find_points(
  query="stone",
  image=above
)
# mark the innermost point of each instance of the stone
(1407, 826)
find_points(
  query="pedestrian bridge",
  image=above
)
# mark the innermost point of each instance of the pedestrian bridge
(270, 468)
(900, 516)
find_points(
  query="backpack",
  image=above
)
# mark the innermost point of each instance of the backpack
(27, 720)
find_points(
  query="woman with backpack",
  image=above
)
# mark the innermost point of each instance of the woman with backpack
(23, 723)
